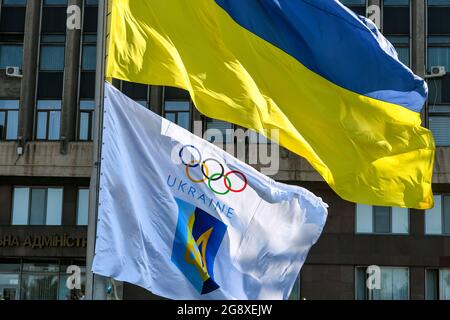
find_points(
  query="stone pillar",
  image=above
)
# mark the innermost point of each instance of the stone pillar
(417, 283)
(418, 42)
(5, 200)
(156, 99)
(418, 36)
(30, 63)
(71, 76)
(197, 117)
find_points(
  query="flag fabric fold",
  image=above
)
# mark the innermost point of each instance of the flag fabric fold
(183, 219)
(325, 78)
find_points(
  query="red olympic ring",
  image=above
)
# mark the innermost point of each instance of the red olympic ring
(226, 181)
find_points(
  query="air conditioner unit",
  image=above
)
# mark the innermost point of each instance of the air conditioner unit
(13, 72)
(438, 71)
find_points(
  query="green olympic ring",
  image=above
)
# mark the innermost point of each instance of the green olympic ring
(214, 176)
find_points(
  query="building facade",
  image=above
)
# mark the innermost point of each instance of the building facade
(46, 154)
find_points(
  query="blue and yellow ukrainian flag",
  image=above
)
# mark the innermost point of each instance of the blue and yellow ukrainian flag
(326, 78)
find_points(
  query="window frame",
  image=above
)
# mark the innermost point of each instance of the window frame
(437, 114)
(374, 222)
(17, 38)
(6, 111)
(43, 43)
(442, 234)
(47, 111)
(367, 291)
(13, 43)
(81, 71)
(190, 111)
(140, 100)
(61, 273)
(40, 72)
(373, 233)
(2, 4)
(409, 35)
(87, 43)
(78, 207)
(30, 188)
(437, 84)
(430, 113)
(91, 115)
(225, 140)
(438, 269)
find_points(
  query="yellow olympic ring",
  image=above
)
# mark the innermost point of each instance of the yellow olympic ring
(204, 166)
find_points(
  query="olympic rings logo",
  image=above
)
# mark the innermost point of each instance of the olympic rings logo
(209, 177)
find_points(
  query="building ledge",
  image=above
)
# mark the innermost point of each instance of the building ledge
(44, 159)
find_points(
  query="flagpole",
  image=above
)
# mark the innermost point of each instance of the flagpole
(96, 285)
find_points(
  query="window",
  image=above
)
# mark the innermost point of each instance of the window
(48, 120)
(89, 56)
(52, 53)
(37, 206)
(394, 284)
(9, 119)
(437, 284)
(178, 112)
(177, 106)
(439, 97)
(63, 292)
(255, 137)
(52, 50)
(439, 124)
(14, 2)
(89, 35)
(438, 2)
(9, 280)
(55, 2)
(437, 220)
(438, 13)
(39, 280)
(381, 220)
(439, 55)
(402, 46)
(90, 16)
(12, 26)
(12, 16)
(83, 207)
(358, 6)
(86, 121)
(11, 55)
(396, 27)
(396, 2)
(219, 131)
(89, 50)
(138, 92)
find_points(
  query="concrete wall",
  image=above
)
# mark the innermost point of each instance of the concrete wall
(44, 159)
(329, 272)
(10, 87)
